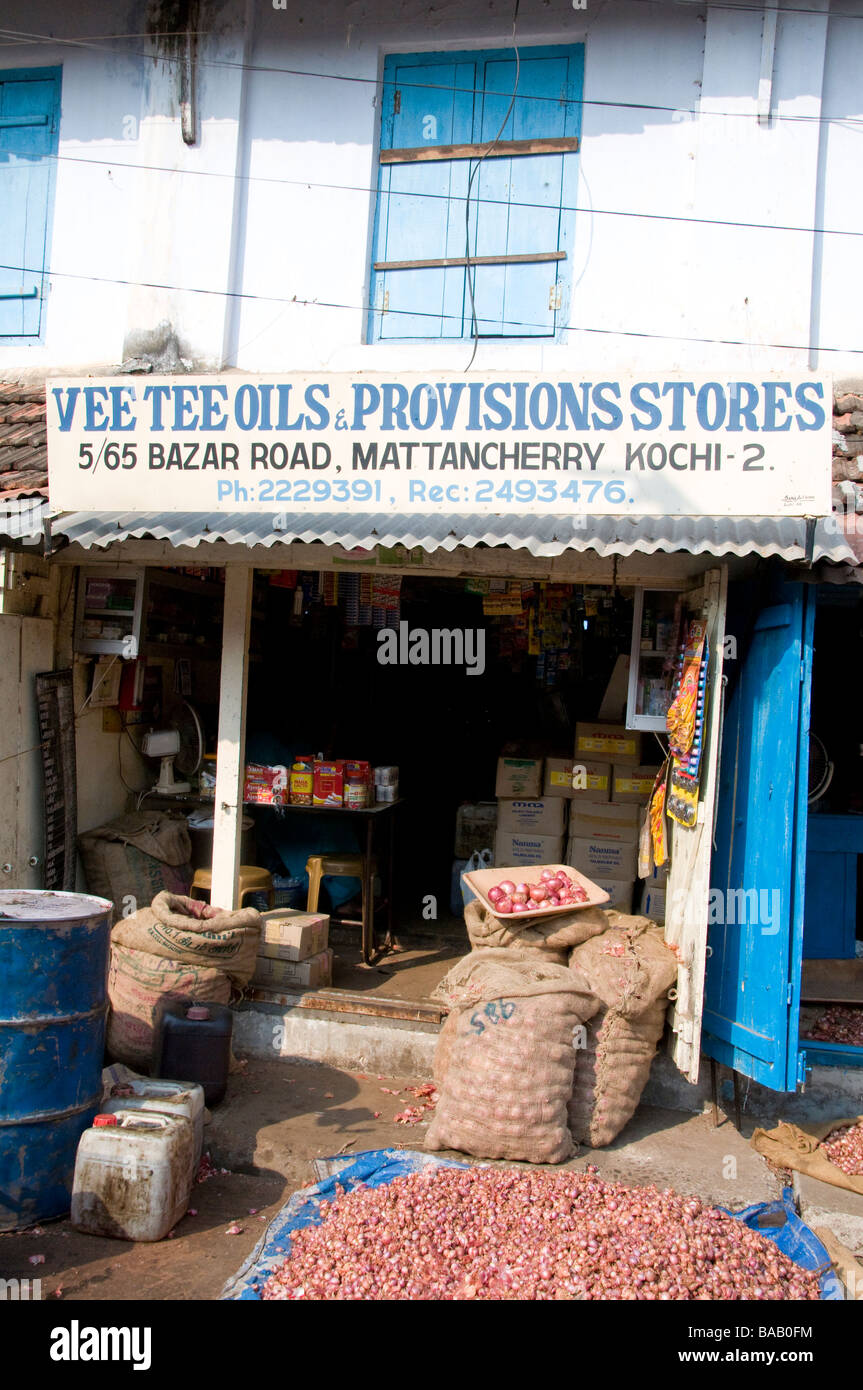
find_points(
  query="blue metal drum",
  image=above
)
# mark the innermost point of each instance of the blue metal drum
(53, 1005)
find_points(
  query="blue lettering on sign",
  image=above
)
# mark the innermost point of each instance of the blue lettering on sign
(490, 407)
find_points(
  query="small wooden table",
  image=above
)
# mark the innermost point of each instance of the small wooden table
(372, 815)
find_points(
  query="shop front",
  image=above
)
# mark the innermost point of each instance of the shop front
(345, 575)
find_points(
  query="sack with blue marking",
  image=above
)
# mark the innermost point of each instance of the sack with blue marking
(506, 1056)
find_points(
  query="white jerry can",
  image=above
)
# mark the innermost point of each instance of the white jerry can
(132, 1174)
(169, 1097)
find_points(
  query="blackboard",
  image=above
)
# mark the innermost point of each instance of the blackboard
(55, 703)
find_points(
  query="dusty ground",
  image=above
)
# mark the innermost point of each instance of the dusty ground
(278, 1117)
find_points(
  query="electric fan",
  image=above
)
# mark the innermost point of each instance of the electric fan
(179, 744)
(820, 769)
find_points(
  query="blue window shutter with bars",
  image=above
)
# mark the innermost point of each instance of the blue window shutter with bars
(517, 203)
(29, 120)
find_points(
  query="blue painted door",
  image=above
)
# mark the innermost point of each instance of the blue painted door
(755, 924)
(29, 105)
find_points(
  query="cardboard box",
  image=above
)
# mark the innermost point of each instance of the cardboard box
(633, 784)
(475, 824)
(591, 781)
(611, 742)
(658, 877)
(578, 781)
(329, 783)
(607, 820)
(620, 892)
(292, 935)
(514, 848)
(653, 902)
(314, 973)
(543, 817)
(266, 786)
(519, 777)
(603, 858)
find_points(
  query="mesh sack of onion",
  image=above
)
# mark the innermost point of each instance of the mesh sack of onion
(453, 1233)
(507, 1056)
(556, 934)
(630, 970)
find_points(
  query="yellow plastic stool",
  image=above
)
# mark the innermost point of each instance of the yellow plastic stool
(340, 866)
(251, 880)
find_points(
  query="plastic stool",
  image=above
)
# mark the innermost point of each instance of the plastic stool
(251, 880)
(340, 866)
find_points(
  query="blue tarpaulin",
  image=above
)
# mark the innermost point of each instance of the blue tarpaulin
(781, 1223)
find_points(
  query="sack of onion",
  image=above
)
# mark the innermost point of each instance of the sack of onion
(554, 934)
(506, 1056)
(829, 1150)
(630, 970)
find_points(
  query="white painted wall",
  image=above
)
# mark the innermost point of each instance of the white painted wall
(278, 261)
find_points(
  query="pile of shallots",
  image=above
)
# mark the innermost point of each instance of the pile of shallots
(841, 1023)
(507, 1233)
(844, 1147)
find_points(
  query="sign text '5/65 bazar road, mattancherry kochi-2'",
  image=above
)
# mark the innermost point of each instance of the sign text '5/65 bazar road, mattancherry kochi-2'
(356, 443)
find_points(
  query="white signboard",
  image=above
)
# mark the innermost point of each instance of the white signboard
(481, 444)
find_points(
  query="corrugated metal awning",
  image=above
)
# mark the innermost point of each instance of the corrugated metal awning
(540, 535)
(22, 520)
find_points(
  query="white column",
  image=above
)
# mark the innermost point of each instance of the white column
(231, 751)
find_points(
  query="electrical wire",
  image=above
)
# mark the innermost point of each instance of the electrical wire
(475, 167)
(356, 78)
(444, 197)
(436, 315)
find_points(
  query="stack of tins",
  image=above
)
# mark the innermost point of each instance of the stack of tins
(54, 969)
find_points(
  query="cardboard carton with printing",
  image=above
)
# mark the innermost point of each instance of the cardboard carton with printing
(603, 858)
(519, 777)
(633, 784)
(546, 816)
(612, 743)
(514, 848)
(585, 780)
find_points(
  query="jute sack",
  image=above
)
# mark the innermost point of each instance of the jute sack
(796, 1146)
(137, 981)
(630, 969)
(137, 856)
(554, 934)
(505, 1073)
(189, 931)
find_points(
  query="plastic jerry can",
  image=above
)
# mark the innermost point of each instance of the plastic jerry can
(194, 1041)
(132, 1174)
(171, 1098)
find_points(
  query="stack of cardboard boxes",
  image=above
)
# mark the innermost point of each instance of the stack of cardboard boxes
(604, 827)
(293, 952)
(585, 811)
(531, 812)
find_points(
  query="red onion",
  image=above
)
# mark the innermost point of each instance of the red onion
(490, 1233)
(844, 1147)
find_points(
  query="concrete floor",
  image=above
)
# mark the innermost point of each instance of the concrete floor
(277, 1118)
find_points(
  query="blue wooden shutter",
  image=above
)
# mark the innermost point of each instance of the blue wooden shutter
(421, 207)
(29, 105)
(518, 200)
(752, 986)
(461, 98)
